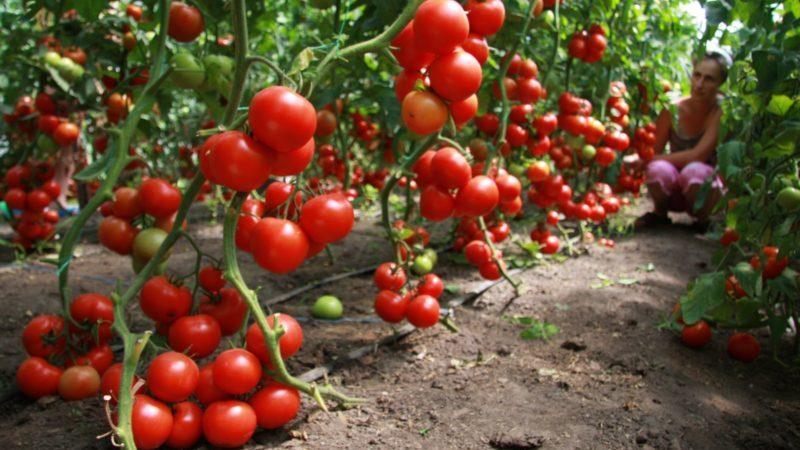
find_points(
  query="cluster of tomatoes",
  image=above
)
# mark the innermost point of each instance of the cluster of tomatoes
(441, 51)
(29, 191)
(588, 46)
(741, 346)
(137, 220)
(643, 140)
(618, 107)
(42, 114)
(397, 301)
(283, 231)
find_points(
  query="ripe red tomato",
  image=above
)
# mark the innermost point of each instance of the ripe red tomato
(126, 203)
(52, 188)
(605, 156)
(134, 12)
(744, 347)
(455, 76)
(227, 307)
(111, 380)
(464, 110)
(45, 104)
(391, 306)
(476, 45)
(151, 422)
(696, 335)
(229, 423)
(48, 123)
(235, 161)
(159, 198)
(207, 392)
(451, 168)
(15, 198)
(236, 371)
(244, 231)
(477, 252)
(550, 245)
(389, 277)
(436, 204)
(423, 311)
(729, 236)
(78, 382)
(164, 302)
(279, 245)
(116, 234)
(289, 343)
(185, 22)
(187, 425)
(431, 285)
(275, 405)
(36, 377)
(326, 123)
(440, 26)
(101, 357)
(511, 89)
(90, 310)
(16, 176)
(528, 69)
(198, 335)
(478, 197)
(485, 17)
(66, 134)
(211, 279)
(281, 118)
(277, 194)
(405, 82)
(327, 218)
(44, 336)
(424, 112)
(516, 135)
(500, 231)
(172, 377)
(577, 45)
(488, 124)
(545, 124)
(408, 54)
(490, 271)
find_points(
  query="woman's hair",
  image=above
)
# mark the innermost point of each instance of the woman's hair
(723, 59)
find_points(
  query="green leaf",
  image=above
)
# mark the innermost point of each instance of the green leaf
(748, 278)
(539, 330)
(302, 61)
(452, 288)
(730, 156)
(89, 9)
(779, 105)
(706, 293)
(96, 168)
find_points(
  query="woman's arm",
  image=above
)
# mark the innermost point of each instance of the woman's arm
(663, 125)
(704, 148)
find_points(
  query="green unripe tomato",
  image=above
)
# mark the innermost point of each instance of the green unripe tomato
(188, 72)
(588, 152)
(45, 144)
(147, 242)
(516, 169)
(548, 17)
(51, 58)
(327, 307)
(422, 265)
(431, 254)
(789, 198)
(219, 73)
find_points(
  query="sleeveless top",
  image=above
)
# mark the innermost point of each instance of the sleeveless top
(678, 142)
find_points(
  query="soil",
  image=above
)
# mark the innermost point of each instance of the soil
(608, 379)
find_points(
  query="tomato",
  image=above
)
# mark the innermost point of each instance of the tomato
(293, 162)
(44, 336)
(511, 89)
(66, 134)
(545, 124)
(500, 231)
(476, 45)
(189, 72)
(511, 207)
(100, 357)
(90, 310)
(235, 161)
(227, 307)
(577, 45)
(244, 231)
(229, 423)
(744, 347)
(423, 311)
(187, 425)
(490, 271)
(405, 82)
(488, 124)
(464, 110)
(116, 234)
(440, 26)
(210, 278)
(78, 382)
(147, 243)
(185, 22)
(327, 307)
(605, 156)
(159, 198)
(478, 252)
(408, 54)
(275, 405)
(16, 176)
(164, 302)
(172, 377)
(451, 168)
(423, 112)
(45, 104)
(289, 343)
(282, 119)
(151, 422)
(696, 335)
(485, 17)
(207, 392)
(436, 204)
(431, 285)
(391, 306)
(52, 188)
(389, 277)
(126, 203)
(326, 123)
(134, 12)
(478, 198)
(528, 69)
(550, 245)
(455, 76)
(47, 123)
(236, 371)
(729, 236)
(327, 218)
(15, 198)
(279, 245)
(111, 380)
(422, 265)
(198, 335)
(789, 198)
(36, 377)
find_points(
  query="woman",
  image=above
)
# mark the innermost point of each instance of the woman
(674, 179)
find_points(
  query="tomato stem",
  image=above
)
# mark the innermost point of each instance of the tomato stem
(488, 238)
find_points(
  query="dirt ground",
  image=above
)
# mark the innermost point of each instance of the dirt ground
(608, 379)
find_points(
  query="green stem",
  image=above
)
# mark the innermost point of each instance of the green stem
(240, 59)
(275, 68)
(500, 265)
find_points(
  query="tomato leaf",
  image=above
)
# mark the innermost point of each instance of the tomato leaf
(705, 293)
(749, 279)
(730, 158)
(97, 167)
(301, 61)
(780, 105)
(89, 9)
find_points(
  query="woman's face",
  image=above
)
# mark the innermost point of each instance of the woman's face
(706, 79)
